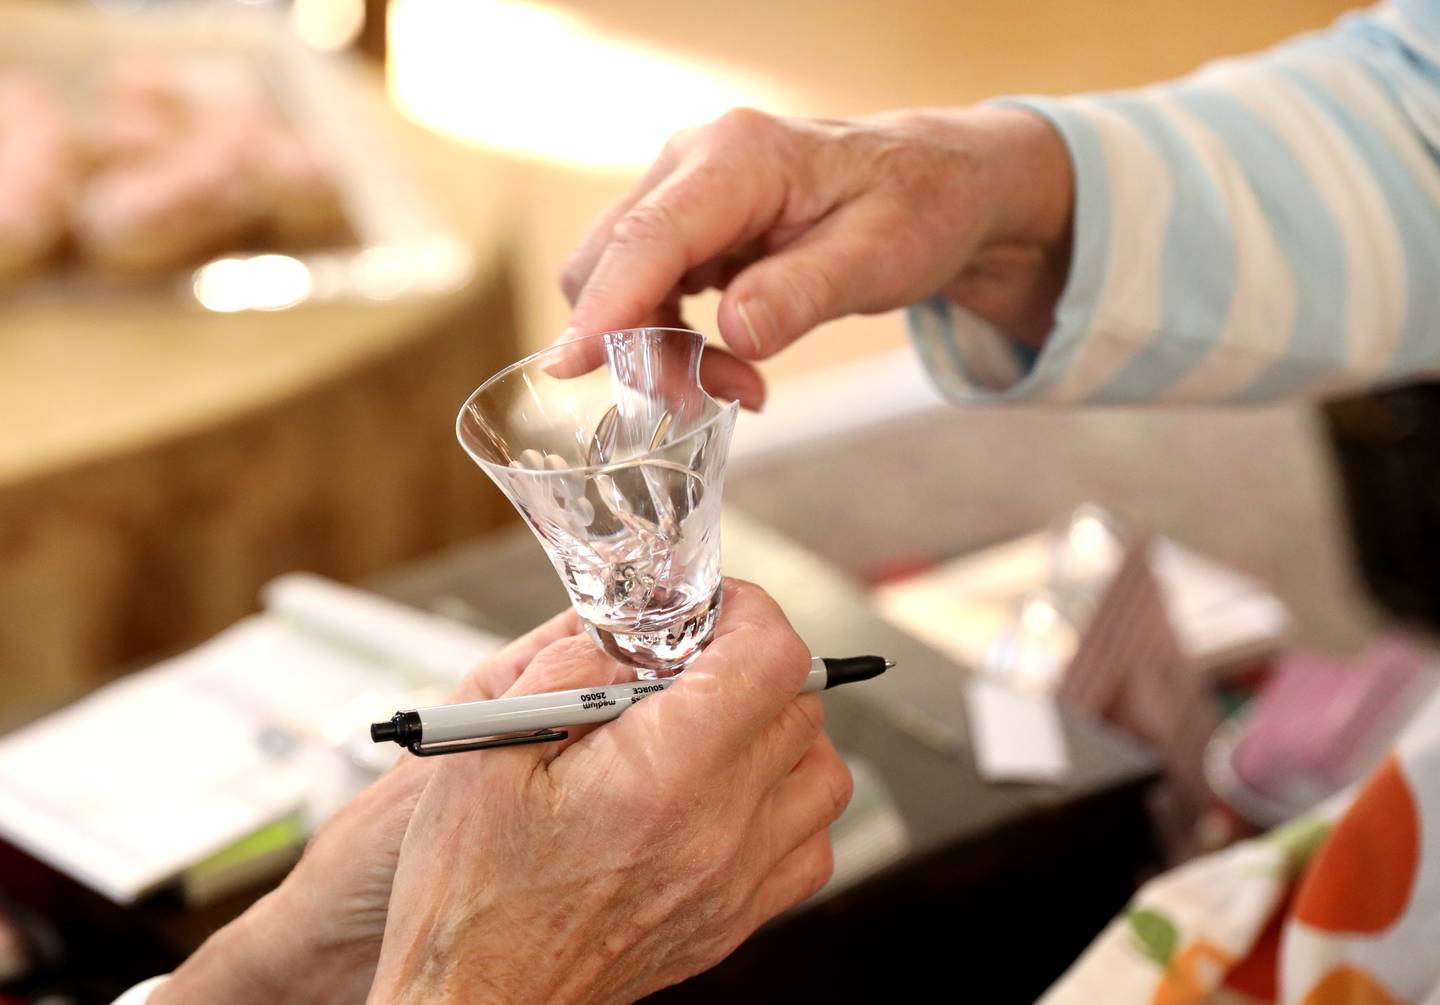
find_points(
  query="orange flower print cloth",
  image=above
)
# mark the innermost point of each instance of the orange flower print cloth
(1341, 907)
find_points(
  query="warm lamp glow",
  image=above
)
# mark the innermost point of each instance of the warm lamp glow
(533, 80)
(328, 25)
(259, 283)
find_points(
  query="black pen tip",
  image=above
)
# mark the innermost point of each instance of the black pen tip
(889, 664)
(850, 669)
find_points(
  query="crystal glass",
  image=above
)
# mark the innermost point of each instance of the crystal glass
(1032, 650)
(615, 456)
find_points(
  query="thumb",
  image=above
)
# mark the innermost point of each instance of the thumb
(850, 262)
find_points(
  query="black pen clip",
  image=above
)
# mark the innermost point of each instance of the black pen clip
(433, 749)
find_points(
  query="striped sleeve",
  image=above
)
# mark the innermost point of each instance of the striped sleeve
(1266, 227)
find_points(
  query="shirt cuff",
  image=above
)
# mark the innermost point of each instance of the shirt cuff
(964, 355)
(973, 362)
(140, 993)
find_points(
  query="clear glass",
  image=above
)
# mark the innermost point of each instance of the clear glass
(1083, 553)
(615, 456)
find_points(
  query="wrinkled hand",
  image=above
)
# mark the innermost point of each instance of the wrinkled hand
(635, 855)
(316, 938)
(801, 221)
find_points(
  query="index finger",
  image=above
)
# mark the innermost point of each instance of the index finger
(496, 675)
(686, 220)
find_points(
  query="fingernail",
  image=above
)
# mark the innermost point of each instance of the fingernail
(744, 311)
(569, 333)
(749, 402)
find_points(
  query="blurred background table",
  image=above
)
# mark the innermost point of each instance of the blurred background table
(984, 861)
(160, 462)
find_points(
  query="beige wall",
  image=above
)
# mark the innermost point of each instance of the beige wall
(865, 55)
(846, 57)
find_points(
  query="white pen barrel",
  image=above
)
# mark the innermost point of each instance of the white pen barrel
(818, 676)
(530, 712)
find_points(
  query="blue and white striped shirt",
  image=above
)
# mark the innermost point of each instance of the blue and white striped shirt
(1266, 227)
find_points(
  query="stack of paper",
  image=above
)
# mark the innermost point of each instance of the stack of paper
(149, 776)
(1220, 617)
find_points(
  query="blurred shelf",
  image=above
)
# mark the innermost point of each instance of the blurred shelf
(161, 462)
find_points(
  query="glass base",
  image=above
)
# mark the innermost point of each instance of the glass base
(663, 650)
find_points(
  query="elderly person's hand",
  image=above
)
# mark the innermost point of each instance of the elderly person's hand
(801, 221)
(637, 854)
(317, 937)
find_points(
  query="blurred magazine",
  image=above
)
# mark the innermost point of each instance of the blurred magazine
(1024, 604)
(257, 734)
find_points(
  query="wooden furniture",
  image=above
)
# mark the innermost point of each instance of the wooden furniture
(159, 462)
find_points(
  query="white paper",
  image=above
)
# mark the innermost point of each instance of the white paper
(132, 785)
(1015, 737)
(381, 629)
(1219, 616)
(135, 783)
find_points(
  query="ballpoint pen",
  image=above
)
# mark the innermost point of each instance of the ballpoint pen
(537, 718)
